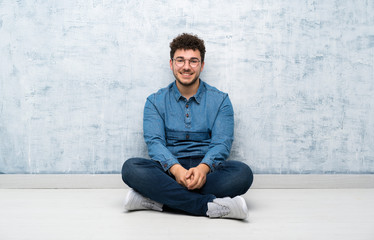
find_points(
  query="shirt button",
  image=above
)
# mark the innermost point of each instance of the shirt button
(187, 136)
(187, 115)
(165, 165)
(186, 105)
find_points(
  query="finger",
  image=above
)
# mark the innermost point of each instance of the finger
(194, 183)
(201, 183)
(191, 184)
(189, 173)
(190, 179)
(182, 181)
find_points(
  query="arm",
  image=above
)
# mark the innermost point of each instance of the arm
(222, 136)
(154, 136)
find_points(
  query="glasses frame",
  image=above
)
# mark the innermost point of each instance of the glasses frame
(189, 61)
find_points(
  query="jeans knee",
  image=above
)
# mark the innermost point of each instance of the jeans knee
(128, 168)
(249, 176)
(245, 175)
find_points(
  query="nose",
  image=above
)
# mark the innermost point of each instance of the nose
(186, 65)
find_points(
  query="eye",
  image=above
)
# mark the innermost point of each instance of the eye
(194, 61)
(179, 60)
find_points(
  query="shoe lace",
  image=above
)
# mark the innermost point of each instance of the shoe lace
(148, 204)
(223, 210)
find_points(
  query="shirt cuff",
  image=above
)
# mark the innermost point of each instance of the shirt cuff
(213, 164)
(167, 164)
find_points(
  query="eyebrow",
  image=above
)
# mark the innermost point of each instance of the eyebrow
(193, 58)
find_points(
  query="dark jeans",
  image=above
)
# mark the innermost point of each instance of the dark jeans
(229, 179)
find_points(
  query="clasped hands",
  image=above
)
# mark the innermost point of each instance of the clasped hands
(192, 179)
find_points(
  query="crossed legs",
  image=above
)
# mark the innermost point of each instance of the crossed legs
(229, 179)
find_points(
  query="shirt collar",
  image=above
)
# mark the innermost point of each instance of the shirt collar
(197, 96)
(176, 92)
(200, 92)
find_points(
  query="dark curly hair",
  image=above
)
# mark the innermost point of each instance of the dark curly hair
(187, 41)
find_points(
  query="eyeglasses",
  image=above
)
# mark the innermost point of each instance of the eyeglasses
(179, 62)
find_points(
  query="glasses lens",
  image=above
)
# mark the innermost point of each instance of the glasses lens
(194, 63)
(181, 62)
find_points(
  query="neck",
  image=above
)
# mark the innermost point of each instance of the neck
(188, 91)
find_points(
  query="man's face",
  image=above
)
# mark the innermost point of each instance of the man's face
(186, 75)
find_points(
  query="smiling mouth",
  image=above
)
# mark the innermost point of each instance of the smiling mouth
(186, 73)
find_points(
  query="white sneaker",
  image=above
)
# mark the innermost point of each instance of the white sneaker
(135, 201)
(228, 208)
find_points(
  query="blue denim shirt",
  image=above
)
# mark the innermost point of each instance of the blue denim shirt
(175, 127)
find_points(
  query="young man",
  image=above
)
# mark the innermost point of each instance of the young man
(188, 127)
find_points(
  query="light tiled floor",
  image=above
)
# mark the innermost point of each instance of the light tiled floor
(98, 214)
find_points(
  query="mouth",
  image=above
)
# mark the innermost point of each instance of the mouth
(186, 74)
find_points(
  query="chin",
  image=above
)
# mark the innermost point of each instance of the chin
(188, 82)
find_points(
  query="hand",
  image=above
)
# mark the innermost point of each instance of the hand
(179, 173)
(197, 176)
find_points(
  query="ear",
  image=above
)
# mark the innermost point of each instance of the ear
(202, 66)
(171, 64)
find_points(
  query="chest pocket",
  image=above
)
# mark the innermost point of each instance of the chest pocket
(176, 136)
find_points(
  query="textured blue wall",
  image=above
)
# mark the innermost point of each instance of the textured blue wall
(74, 76)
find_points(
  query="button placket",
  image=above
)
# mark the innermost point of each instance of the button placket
(187, 115)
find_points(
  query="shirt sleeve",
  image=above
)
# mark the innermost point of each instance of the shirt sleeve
(222, 136)
(154, 136)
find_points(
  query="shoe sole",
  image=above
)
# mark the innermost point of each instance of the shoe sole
(244, 205)
(130, 195)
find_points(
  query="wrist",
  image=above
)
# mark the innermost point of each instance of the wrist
(175, 168)
(204, 168)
